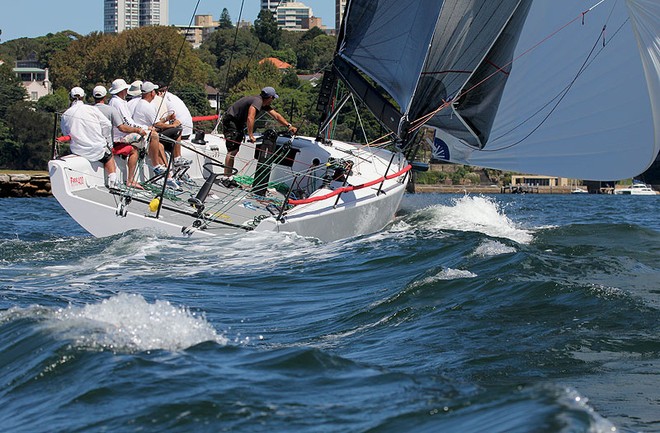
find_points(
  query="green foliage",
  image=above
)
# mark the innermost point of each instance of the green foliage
(286, 55)
(290, 79)
(230, 54)
(31, 131)
(310, 34)
(265, 27)
(41, 48)
(458, 175)
(194, 96)
(9, 148)
(57, 102)
(259, 76)
(315, 54)
(11, 90)
(430, 177)
(147, 53)
(225, 20)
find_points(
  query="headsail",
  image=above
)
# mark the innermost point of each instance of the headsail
(530, 86)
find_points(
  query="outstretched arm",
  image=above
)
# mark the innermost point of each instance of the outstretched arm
(282, 121)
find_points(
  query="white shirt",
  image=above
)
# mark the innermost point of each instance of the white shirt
(144, 113)
(86, 126)
(121, 106)
(182, 113)
(132, 103)
(161, 107)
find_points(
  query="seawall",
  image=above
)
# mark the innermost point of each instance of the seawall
(24, 185)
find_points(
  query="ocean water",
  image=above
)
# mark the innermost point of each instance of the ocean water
(530, 313)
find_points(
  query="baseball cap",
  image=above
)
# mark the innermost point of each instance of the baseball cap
(99, 92)
(269, 92)
(118, 85)
(77, 91)
(148, 86)
(134, 90)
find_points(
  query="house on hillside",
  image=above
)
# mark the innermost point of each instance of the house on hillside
(312, 79)
(34, 79)
(279, 64)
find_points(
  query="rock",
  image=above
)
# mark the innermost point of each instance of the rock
(20, 177)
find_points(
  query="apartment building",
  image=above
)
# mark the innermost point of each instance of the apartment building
(120, 15)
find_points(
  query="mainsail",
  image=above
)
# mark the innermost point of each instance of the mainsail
(565, 88)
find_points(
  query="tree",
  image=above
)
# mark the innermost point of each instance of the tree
(57, 102)
(225, 20)
(194, 96)
(311, 34)
(286, 55)
(147, 53)
(241, 47)
(41, 48)
(33, 130)
(265, 27)
(11, 90)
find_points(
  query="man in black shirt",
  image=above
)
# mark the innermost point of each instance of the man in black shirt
(241, 115)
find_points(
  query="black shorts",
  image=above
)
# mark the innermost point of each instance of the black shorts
(106, 157)
(174, 133)
(233, 131)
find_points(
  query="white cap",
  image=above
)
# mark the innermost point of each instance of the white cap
(134, 90)
(118, 85)
(99, 92)
(148, 86)
(77, 91)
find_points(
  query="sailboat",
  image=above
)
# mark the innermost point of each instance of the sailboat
(564, 88)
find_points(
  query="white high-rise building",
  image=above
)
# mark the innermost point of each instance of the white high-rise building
(154, 13)
(120, 15)
(290, 15)
(340, 5)
(271, 5)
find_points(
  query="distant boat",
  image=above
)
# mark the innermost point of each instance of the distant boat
(576, 189)
(636, 188)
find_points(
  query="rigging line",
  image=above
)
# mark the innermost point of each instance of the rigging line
(176, 61)
(418, 123)
(561, 95)
(231, 54)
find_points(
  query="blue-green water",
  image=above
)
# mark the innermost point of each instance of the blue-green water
(527, 313)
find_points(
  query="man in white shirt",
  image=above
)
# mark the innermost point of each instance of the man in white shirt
(128, 145)
(90, 136)
(176, 105)
(119, 90)
(145, 114)
(133, 94)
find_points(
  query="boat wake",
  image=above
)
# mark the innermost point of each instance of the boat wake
(471, 214)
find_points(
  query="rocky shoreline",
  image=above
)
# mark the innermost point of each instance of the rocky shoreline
(24, 185)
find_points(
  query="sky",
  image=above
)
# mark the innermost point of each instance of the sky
(85, 16)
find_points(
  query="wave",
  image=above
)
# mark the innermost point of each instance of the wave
(122, 323)
(471, 214)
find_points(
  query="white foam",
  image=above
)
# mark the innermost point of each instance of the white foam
(129, 322)
(445, 274)
(493, 248)
(476, 214)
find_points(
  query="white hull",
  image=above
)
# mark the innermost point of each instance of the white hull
(636, 189)
(79, 186)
